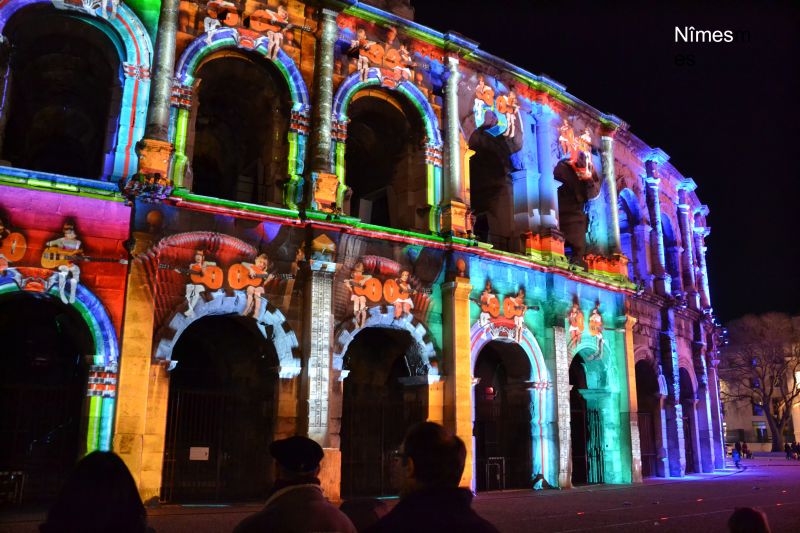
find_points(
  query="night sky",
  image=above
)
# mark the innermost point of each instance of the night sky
(730, 120)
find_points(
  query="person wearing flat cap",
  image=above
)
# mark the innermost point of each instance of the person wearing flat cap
(295, 504)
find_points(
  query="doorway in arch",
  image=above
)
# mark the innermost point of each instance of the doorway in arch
(221, 413)
(381, 400)
(43, 373)
(586, 429)
(647, 396)
(503, 436)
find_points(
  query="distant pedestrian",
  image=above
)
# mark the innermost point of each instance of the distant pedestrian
(295, 503)
(787, 449)
(748, 520)
(746, 453)
(737, 457)
(99, 496)
(427, 469)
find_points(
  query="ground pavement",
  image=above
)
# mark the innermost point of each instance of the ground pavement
(695, 503)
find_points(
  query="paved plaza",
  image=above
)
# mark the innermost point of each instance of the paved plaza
(693, 504)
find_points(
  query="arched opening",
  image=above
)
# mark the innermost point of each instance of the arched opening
(503, 436)
(672, 251)
(43, 374)
(573, 193)
(385, 161)
(381, 400)
(240, 146)
(688, 403)
(628, 220)
(491, 191)
(63, 100)
(221, 412)
(586, 430)
(648, 400)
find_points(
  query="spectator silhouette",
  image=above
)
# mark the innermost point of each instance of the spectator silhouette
(427, 470)
(99, 496)
(295, 503)
(748, 520)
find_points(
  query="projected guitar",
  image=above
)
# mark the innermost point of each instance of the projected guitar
(240, 277)
(262, 21)
(511, 308)
(211, 276)
(54, 257)
(492, 306)
(14, 246)
(393, 291)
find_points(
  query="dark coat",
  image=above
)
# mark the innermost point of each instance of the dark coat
(297, 509)
(434, 510)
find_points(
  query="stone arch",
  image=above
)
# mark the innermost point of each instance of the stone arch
(378, 318)
(129, 37)
(101, 390)
(433, 150)
(229, 38)
(541, 392)
(271, 322)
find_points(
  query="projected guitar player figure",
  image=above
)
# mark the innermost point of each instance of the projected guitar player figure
(356, 285)
(256, 292)
(66, 247)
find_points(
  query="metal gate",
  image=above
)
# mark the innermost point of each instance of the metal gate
(372, 428)
(594, 446)
(688, 444)
(206, 457)
(503, 441)
(39, 437)
(647, 443)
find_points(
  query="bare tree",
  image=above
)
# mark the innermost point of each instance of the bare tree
(759, 366)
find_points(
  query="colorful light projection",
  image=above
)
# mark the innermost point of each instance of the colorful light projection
(135, 49)
(98, 296)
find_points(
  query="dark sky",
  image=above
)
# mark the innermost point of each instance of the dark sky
(730, 121)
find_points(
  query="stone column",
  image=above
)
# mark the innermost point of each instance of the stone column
(5, 91)
(703, 410)
(136, 441)
(563, 415)
(457, 369)
(322, 106)
(641, 235)
(454, 210)
(657, 257)
(155, 150)
(700, 235)
(548, 187)
(319, 150)
(324, 415)
(712, 362)
(673, 409)
(686, 222)
(607, 156)
(631, 418)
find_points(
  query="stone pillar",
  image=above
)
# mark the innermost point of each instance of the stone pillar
(155, 150)
(457, 369)
(454, 210)
(672, 405)
(523, 207)
(136, 440)
(563, 416)
(322, 106)
(686, 222)
(641, 236)
(548, 187)
(700, 235)
(607, 155)
(320, 168)
(657, 257)
(631, 418)
(717, 433)
(324, 415)
(703, 411)
(5, 91)
(163, 67)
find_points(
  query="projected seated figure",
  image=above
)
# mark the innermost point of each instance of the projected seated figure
(68, 246)
(255, 293)
(356, 285)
